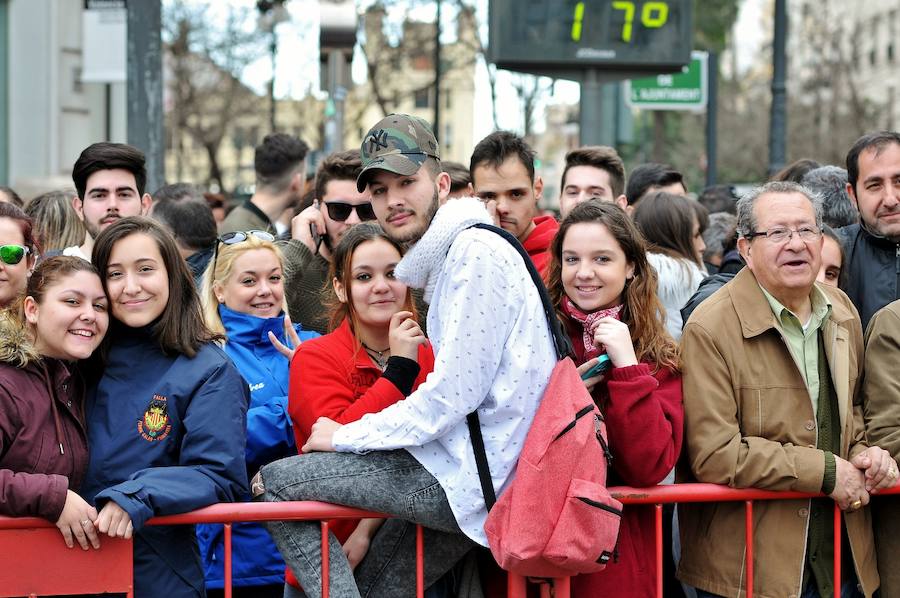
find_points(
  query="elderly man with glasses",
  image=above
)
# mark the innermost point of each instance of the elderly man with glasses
(771, 363)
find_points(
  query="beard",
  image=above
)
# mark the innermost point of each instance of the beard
(409, 238)
(92, 229)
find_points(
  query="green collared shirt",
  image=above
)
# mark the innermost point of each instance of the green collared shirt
(803, 341)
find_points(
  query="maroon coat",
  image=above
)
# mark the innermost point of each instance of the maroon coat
(644, 422)
(43, 441)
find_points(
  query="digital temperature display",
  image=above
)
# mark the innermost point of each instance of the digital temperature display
(618, 35)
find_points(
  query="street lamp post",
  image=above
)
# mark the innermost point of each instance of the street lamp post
(338, 23)
(271, 13)
(778, 120)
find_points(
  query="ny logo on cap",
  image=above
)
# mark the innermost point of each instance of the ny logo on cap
(377, 139)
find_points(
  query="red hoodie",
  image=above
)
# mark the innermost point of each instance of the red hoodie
(538, 242)
(332, 377)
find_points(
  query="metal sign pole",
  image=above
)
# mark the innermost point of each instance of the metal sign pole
(590, 117)
(145, 106)
(712, 98)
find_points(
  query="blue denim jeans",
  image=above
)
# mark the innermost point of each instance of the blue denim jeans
(390, 482)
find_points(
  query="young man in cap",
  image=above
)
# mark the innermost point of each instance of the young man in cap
(414, 459)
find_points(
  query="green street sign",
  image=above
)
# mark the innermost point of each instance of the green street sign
(678, 91)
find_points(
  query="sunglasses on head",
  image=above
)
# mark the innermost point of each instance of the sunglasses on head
(239, 236)
(340, 211)
(13, 254)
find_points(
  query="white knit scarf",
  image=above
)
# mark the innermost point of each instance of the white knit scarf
(422, 263)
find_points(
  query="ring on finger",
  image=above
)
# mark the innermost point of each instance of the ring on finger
(85, 522)
(856, 505)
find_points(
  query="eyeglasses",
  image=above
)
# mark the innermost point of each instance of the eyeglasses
(340, 211)
(780, 234)
(13, 254)
(239, 236)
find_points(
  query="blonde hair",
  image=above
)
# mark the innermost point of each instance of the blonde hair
(56, 223)
(223, 265)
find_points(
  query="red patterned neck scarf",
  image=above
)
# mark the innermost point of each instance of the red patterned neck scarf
(589, 324)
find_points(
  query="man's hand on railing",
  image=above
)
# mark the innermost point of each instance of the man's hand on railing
(850, 486)
(77, 521)
(321, 436)
(114, 521)
(879, 468)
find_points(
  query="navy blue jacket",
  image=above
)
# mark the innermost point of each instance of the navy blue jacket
(166, 436)
(270, 436)
(872, 267)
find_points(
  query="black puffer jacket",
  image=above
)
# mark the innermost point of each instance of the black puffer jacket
(872, 269)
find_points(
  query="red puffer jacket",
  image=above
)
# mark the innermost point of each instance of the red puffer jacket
(43, 441)
(331, 376)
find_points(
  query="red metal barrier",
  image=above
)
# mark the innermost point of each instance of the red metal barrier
(690, 493)
(113, 563)
(34, 561)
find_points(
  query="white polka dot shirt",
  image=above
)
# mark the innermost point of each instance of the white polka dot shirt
(493, 352)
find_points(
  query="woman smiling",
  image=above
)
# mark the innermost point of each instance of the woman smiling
(43, 445)
(166, 414)
(243, 298)
(17, 252)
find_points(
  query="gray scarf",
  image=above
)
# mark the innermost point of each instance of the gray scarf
(420, 265)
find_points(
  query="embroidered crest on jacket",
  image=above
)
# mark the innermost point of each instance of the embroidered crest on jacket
(154, 425)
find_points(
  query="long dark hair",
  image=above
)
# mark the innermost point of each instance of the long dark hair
(667, 223)
(642, 312)
(180, 328)
(341, 262)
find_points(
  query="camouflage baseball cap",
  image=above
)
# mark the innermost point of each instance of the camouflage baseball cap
(399, 143)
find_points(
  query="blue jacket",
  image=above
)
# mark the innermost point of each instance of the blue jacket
(166, 435)
(255, 559)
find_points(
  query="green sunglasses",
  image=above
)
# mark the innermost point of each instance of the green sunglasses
(13, 254)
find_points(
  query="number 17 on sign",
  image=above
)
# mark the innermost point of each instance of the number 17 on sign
(653, 16)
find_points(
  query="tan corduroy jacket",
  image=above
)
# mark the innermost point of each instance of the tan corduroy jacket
(749, 423)
(881, 399)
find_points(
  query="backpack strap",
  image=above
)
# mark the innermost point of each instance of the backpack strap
(484, 469)
(561, 343)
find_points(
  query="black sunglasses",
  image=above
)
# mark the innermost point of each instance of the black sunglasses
(239, 236)
(340, 211)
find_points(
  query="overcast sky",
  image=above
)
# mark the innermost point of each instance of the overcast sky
(297, 71)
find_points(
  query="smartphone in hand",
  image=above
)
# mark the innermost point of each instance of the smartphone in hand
(603, 364)
(316, 237)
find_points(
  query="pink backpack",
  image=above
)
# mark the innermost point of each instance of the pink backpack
(556, 518)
